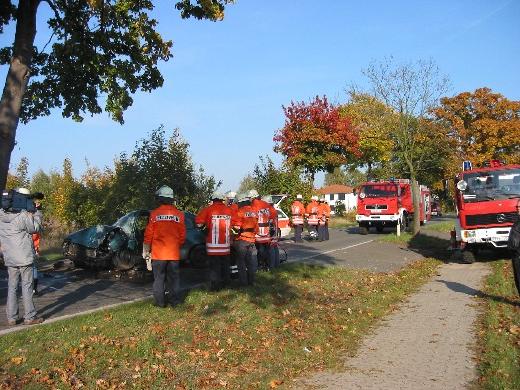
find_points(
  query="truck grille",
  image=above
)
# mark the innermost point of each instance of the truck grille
(491, 219)
(376, 207)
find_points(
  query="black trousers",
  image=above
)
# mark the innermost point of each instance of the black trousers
(166, 277)
(516, 269)
(298, 230)
(246, 261)
(326, 231)
(321, 232)
(263, 254)
(219, 272)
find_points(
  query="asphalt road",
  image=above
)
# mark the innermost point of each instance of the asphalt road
(71, 291)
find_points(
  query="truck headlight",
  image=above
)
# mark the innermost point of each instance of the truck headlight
(469, 233)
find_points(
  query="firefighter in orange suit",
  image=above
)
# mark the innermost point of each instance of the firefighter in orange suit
(274, 251)
(163, 237)
(216, 219)
(297, 215)
(263, 238)
(311, 212)
(245, 226)
(326, 212)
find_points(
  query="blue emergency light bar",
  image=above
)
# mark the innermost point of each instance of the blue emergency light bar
(466, 165)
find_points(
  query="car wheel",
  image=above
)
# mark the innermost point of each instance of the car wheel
(73, 252)
(363, 230)
(123, 260)
(198, 257)
(380, 229)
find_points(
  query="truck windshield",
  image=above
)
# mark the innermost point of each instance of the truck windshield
(379, 190)
(491, 185)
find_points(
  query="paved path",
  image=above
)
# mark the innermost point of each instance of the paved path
(428, 344)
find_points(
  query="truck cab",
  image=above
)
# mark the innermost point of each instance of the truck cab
(486, 199)
(389, 203)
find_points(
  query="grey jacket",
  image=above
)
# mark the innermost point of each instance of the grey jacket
(16, 231)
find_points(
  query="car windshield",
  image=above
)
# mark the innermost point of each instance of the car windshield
(379, 190)
(125, 223)
(491, 185)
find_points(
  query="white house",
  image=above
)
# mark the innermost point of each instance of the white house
(339, 193)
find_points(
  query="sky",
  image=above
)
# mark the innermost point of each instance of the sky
(227, 81)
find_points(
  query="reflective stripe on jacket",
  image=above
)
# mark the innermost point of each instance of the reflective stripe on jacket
(217, 218)
(264, 216)
(297, 213)
(312, 213)
(165, 232)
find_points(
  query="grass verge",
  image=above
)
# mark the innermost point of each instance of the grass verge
(499, 333)
(293, 321)
(341, 222)
(443, 227)
(51, 254)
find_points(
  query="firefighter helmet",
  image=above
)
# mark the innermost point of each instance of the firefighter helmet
(299, 197)
(164, 192)
(314, 197)
(253, 194)
(268, 199)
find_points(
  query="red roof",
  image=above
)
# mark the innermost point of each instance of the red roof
(335, 189)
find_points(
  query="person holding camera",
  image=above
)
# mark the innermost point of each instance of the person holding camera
(17, 225)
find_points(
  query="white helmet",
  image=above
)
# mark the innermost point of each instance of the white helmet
(217, 195)
(243, 198)
(299, 197)
(23, 191)
(268, 199)
(322, 199)
(164, 192)
(253, 194)
(314, 197)
(231, 194)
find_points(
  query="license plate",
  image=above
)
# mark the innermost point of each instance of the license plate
(376, 211)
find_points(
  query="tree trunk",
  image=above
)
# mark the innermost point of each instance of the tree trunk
(16, 81)
(416, 194)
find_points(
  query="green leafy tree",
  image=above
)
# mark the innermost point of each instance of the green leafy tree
(372, 118)
(156, 161)
(108, 49)
(247, 183)
(412, 90)
(347, 176)
(286, 179)
(64, 196)
(21, 177)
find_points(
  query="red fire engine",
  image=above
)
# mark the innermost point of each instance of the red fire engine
(389, 203)
(486, 200)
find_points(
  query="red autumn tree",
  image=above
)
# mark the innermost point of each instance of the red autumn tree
(316, 137)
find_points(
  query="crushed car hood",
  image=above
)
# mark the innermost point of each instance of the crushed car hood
(90, 237)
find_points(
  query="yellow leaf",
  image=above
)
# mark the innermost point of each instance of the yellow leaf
(18, 360)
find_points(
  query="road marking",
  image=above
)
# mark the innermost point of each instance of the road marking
(335, 250)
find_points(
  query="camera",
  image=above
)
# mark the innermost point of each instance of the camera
(14, 201)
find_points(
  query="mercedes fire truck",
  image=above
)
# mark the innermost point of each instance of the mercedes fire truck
(486, 200)
(389, 203)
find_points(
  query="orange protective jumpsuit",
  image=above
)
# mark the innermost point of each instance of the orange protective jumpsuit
(217, 219)
(247, 221)
(165, 234)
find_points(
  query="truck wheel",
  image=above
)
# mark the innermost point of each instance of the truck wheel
(380, 229)
(468, 257)
(363, 230)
